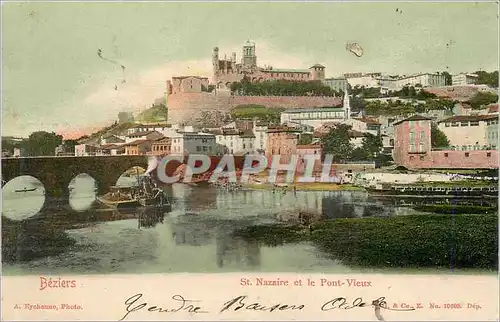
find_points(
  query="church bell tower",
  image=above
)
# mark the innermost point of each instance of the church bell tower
(347, 106)
(249, 58)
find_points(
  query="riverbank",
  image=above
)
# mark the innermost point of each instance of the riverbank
(467, 241)
(310, 186)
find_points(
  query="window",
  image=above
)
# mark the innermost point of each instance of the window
(412, 137)
(421, 147)
(466, 154)
(421, 158)
(455, 124)
(446, 154)
(464, 123)
(412, 147)
(205, 149)
(198, 148)
(447, 124)
(422, 135)
(488, 154)
(244, 146)
(474, 123)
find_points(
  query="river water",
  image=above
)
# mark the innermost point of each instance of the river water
(194, 237)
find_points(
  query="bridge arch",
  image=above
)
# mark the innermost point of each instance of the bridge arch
(18, 204)
(82, 192)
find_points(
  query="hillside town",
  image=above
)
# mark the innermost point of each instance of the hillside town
(399, 115)
(340, 141)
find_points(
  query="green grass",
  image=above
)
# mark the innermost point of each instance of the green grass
(456, 209)
(153, 114)
(258, 111)
(465, 241)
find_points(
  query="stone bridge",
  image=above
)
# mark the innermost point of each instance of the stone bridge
(56, 173)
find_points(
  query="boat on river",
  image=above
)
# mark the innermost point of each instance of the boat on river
(145, 194)
(119, 197)
(435, 190)
(25, 190)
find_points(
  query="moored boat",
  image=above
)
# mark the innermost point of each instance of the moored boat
(446, 190)
(119, 197)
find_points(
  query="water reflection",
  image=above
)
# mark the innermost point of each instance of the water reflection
(22, 205)
(82, 192)
(237, 251)
(200, 234)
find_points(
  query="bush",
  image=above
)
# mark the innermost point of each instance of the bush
(461, 241)
(456, 209)
(272, 235)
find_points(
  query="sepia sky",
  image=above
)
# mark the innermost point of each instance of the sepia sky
(54, 80)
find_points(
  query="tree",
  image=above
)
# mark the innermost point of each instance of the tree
(42, 143)
(305, 138)
(448, 80)
(337, 143)
(482, 98)
(372, 144)
(370, 149)
(490, 79)
(69, 145)
(438, 138)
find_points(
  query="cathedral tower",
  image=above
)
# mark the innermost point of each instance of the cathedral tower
(215, 63)
(249, 58)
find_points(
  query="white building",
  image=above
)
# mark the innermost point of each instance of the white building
(425, 80)
(337, 84)
(260, 132)
(235, 141)
(492, 132)
(463, 79)
(83, 150)
(185, 143)
(470, 132)
(363, 79)
(143, 135)
(314, 117)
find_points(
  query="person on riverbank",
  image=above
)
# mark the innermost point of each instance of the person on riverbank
(295, 190)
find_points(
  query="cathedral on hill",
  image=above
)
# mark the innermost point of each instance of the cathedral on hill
(227, 71)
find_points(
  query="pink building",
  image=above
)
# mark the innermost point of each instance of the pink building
(282, 141)
(309, 149)
(412, 149)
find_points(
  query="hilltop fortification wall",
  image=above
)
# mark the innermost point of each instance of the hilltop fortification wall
(187, 107)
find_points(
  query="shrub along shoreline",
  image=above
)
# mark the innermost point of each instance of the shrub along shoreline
(413, 241)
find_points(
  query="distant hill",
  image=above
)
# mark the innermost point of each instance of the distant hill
(115, 129)
(156, 113)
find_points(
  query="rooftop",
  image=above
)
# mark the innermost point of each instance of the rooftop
(468, 118)
(413, 118)
(276, 70)
(183, 77)
(367, 120)
(136, 142)
(142, 133)
(309, 146)
(309, 110)
(317, 66)
(282, 129)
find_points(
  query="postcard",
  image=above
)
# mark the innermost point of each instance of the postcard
(312, 161)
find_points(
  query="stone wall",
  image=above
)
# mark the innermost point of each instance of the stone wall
(187, 107)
